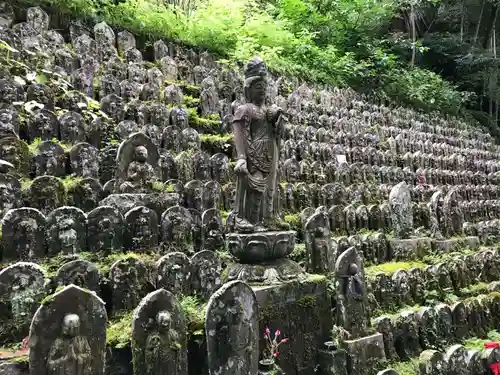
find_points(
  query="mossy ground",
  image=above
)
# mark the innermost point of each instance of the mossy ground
(392, 267)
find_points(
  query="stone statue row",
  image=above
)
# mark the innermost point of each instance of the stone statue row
(28, 235)
(68, 333)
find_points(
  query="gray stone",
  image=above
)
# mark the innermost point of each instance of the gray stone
(73, 320)
(105, 227)
(207, 271)
(66, 231)
(173, 273)
(23, 234)
(142, 229)
(232, 330)
(129, 279)
(22, 287)
(46, 193)
(365, 352)
(176, 224)
(159, 337)
(351, 301)
(79, 272)
(401, 211)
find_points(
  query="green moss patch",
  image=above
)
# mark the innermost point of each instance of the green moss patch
(392, 267)
(119, 331)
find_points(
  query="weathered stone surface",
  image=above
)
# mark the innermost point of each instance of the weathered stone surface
(159, 338)
(22, 287)
(232, 330)
(401, 210)
(129, 279)
(158, 202)
(79, 272)
(365, 352)
(66, 231)
(72, 320)
(23, 234)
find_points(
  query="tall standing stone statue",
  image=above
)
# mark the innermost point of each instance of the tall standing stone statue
(68, 334)
(256, 234)
(257, 131)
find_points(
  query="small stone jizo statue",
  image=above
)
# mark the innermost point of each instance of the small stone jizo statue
(140, 174)
(70, 353)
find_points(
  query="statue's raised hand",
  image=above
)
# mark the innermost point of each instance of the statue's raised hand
(241, 167)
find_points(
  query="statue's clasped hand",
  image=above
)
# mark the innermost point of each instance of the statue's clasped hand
(241, 167)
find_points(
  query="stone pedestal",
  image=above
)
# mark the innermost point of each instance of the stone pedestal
(266, 273)
(411, 248)
(454, 244)
(254, 248)
(301, 310)
(262, 257)
(365, 352)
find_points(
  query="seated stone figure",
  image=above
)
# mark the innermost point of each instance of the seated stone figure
(137, 161)
(140, 174)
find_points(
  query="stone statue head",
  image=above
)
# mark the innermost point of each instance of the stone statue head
(179, 117)
(71, 325)
(353, 269)
(163, 319)
(67, 234)
(141, 154)
(256, 81)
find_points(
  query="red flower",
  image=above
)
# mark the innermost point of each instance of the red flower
(283, 340)
(267, 332)
(495, 368)
(276, 354)
(25, 343)
(277, 333)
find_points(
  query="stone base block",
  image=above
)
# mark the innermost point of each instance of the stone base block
(301, 310)
(267, 273)
(365, 352)
(410, 249)
(253, 248)
(454, 244)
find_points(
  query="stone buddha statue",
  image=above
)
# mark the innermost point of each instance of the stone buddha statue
(257, 131)
(70, 354)
(160, 344)
(67, 235)
(140, 174)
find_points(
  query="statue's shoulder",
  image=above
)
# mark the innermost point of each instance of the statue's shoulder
(243, 111)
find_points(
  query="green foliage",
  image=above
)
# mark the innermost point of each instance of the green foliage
(392, 267)
(476, 343)
(194, 310)
(119, 331)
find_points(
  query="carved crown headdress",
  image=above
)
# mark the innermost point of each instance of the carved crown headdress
(255, 68)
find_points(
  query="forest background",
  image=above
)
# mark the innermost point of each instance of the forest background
(435, 55)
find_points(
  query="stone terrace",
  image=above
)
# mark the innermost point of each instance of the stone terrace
(116, 179)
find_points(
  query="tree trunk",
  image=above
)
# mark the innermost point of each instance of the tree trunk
(490, 25)
(476, 35)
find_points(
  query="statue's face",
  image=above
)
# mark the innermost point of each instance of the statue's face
(141, 153)
(163, 319)
(258, 90)
(71, 325)
(353, 269)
